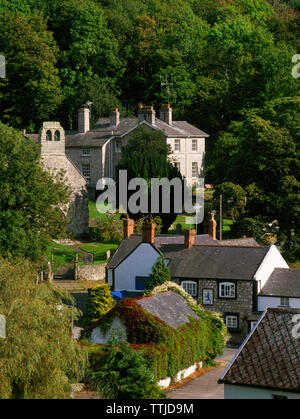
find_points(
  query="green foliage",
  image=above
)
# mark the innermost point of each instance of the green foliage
(233, 198)
(160, 274)
(166, 350)
(125, 374)
(99, 303)
(31, 92)
(30, 199)
(109, 229)
(38, 356)
(146, 156)
(230, 61)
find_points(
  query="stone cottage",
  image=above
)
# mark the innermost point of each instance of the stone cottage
(224, 277)
(97, 151)
(52, 141)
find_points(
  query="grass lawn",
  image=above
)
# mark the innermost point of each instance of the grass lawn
(62, 255)
(99, 250)
(94, 213)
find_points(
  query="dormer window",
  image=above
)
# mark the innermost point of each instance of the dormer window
(49, 135)
(57, 136)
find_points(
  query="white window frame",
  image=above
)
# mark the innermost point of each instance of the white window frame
(284, 302)
(253, 323)
(194, 145)
(190, 284)
(195, 169)
(86, 152)
(225, 290)
(86, 170)
(232, 321)
(177, 145)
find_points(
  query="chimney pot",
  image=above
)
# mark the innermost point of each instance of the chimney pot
(148, 230)
(128, 227)
(189, 238)
(146, 113)
(84, 119)
(114, 117)
(210, 225)
(166, 113)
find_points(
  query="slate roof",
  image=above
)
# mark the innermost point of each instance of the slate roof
(245, 241)
(214, 262)
(169, 307)
(283, 283)
(129, 245)
(103, 131)
(270, 356)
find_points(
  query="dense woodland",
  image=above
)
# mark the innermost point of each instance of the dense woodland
(231, 66)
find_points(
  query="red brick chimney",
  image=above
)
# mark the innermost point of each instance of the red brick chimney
(128, 227)
(148, 232)
(210, 225)
(189, 238)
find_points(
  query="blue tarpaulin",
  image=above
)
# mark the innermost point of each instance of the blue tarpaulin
(118, 295)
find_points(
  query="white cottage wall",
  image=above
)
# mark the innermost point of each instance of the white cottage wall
(138, 263)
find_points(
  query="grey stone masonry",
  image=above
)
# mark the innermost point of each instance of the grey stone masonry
(241, 305)
(52, 141)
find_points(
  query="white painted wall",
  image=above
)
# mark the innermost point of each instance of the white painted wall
(98, 336)
(186, 156)
(272, 260)
(139, 263)
(243, 392)
(264, 302)
(110, 277)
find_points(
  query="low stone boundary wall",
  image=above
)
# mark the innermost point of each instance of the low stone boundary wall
(91, 272)
(166, 382)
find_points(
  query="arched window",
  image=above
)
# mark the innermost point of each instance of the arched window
(57, 136)
(49, 135)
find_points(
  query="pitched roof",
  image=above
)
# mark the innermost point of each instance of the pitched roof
(126, 247)
(214, 262)
(270, 356)
(283, 283)
(169, 307)
(245, 241)
(100, 134)
(129, 245)
(103, 131)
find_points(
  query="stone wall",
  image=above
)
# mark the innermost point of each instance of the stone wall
(241, 305)
(91, 272)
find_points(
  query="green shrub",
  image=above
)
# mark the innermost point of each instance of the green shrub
(99, 303)
(160, 274)
(124, 374)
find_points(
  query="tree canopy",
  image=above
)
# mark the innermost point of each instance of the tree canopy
(30, 199)
(38, 355)
(230, 61)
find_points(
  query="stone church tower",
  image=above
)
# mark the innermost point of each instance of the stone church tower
(52, 140)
